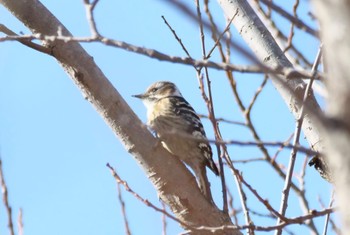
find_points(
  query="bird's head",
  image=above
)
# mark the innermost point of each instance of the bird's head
(157, 91)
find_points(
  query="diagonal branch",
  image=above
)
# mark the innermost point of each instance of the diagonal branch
(176, 188)
(264, 46)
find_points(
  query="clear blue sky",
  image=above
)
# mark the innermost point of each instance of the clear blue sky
(54, 146)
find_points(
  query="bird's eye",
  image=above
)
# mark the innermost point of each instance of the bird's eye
(154, 89)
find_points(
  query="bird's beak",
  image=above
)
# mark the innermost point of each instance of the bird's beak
(140, 96)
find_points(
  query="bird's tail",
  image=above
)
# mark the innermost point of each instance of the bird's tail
(211, 164)
(203, 183)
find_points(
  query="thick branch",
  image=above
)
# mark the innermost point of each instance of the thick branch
(264, 46)
(334, 17)
(175, 187)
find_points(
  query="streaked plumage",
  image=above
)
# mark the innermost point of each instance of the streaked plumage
(180, 129)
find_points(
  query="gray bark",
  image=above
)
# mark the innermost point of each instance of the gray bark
(177, 188)
(264, 46)
(334, 17)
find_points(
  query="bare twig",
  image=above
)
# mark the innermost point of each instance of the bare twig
(217, 41)
(279, 35)
(263, 201)
(25, 41)
(271, 216)
(90, 16)
(194, 16)
(164, 221)
(236, 173)
(263, 146)
(122, 204)
(20, 222)
(137, 196)
(145, 201)
(281, 148)
(223, 120)
(287, 185)
(232, 211)
(302, 174)
(328, 215)
(291, 32)
(210, 106)
(177, 38)
(286, 71)
(251, 127)
(243, 199)
(248, 160)
(296, 220)
(255, 96)
(298, 23)
(5, 200)
(238, 180)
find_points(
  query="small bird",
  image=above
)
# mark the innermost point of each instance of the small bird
(179, 129)
(321, 165)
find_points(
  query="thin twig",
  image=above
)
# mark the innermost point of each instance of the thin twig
(285, 71)
(222, 179)
(328, 215)
(279, 35)
(5, 200)
(137, 196)
(164, 221)
(210, 107)
(223, 120)
(255, 96)
(263, 201)
(298, 147)
(232, 211)
(291, 32)
(252, 129)
(177, 37)
(274, 158)
(298, 23)
(145, 201)
(20, 222)
(217, 41)
(287, 185)
(270, 216)
(122, 204)
(243, 198)
(263, 146)
(238, 180)
(194, 17)
(302, 174)
(248, 160)
(267, 144)
(90, 16)
(297, 220)
(25, 41)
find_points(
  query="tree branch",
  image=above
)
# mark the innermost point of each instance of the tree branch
(334, 19)
(177, 188)
(264, 46)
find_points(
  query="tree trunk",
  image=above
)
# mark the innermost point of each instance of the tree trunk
(334, 17)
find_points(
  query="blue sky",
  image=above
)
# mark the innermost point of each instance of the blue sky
(54, 145)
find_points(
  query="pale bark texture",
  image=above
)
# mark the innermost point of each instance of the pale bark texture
(334, 17)
(265, 48)
(177, 188)
(175, 185)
